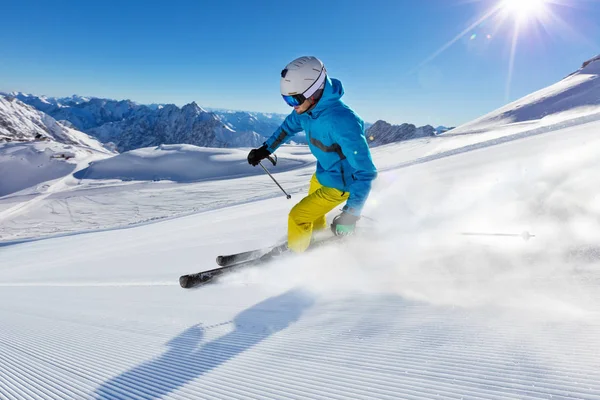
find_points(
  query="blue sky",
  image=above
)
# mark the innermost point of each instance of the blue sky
(228, 54)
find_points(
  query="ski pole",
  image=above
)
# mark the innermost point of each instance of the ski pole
(275, 180)
(369, 218)
(524, 235)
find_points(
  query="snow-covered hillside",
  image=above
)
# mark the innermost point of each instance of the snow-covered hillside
(576, 96)
(418, 311)
(437, 297)
(132, 187)
(23, 165)
(177, 163)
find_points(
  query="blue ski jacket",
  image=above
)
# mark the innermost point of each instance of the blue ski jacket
(336, 137)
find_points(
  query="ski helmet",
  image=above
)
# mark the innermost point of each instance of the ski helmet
(301, 79)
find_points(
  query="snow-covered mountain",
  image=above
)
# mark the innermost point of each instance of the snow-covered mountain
(23, 123)
(129, 125)
(441, 129)
(73, 99)
(170, 124)
(264, 123)
(382, 132)
(242, 121)
(54, 101)
(82, 112)
(577, 95)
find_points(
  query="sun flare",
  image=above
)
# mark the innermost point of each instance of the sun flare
(525, 8)
(518, 21)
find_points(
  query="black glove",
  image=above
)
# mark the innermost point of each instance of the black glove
(257, 155)
(343, 224)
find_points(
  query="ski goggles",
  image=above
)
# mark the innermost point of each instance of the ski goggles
(294, 100)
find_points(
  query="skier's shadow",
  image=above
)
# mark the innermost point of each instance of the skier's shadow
(186, 359)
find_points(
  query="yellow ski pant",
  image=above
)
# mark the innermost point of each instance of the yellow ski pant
(309, 213)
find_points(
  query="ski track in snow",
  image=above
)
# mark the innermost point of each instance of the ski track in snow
(428, 314)
(85, 284)
(293, 346)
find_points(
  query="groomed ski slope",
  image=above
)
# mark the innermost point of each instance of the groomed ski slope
(413, 310)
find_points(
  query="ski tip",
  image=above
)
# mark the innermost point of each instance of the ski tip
(184, 281)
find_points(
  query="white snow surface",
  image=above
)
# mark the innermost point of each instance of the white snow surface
(23, 165)
(438, 296)
(413, 310)
(179, 163)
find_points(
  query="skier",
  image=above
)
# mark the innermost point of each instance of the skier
(336, 138)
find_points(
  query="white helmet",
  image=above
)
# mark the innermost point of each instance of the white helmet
(301, 78)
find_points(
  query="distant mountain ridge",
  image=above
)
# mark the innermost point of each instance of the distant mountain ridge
(173, 125)
(130, 125)
(127, 125)
(382, 132)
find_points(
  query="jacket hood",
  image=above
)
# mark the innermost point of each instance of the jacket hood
(332, 93)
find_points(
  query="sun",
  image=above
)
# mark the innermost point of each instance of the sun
(521, 20)
(525, 9)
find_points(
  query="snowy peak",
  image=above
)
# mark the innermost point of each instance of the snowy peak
(193, 107)
(382, 132)
(74, 99)
(194, 111)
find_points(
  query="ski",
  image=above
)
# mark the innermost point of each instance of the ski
(237, 261)
(238, 258)
(245, 256)
(233, 262)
